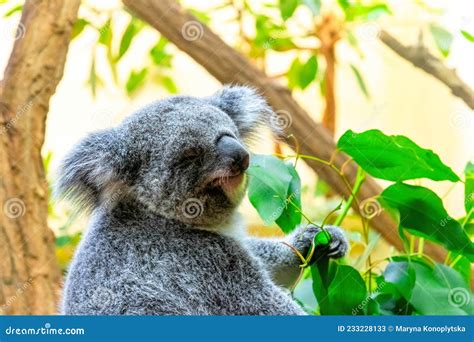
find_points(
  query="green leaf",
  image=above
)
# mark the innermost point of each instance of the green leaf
(168, 83)
(402, 276)
(344, 4)
(443, 39)
(268, 187)
(360, 81)
(469, 187)
(345, 294)
(159, 55)
(301, 75)
(463, 266)
(130, 32)
(308, 72)
(314, 6)
(93, 77)
(17, 8)
(78, 27)
(357, 11)
(290, 218)
(440, 291)
(293, 74)
(468, 36)
(135, 80)
(287, 8)
(393, 157)
(105, 33)
(422, 214)
(105, 38)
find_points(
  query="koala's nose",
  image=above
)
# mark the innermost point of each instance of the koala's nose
(231, 149)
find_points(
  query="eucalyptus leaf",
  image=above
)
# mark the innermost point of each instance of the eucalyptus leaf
(135, 80)
(422, 214)
(269, 182)
(360, 81)
(440, 291)
(442, 38)
(290, 218)
(393, 157)
(345, 294)
(468, 36)
(287, 8)
(469, 187)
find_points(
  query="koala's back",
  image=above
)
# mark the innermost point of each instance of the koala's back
(155, 267)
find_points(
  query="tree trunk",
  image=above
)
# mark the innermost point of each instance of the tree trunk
(229, 66)
(29, 273)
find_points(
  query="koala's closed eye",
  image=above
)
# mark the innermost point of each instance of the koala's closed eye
(188, 156)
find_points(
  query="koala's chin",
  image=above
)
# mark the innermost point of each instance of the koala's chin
(215, 205)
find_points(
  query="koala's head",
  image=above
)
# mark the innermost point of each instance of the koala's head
(183, 157)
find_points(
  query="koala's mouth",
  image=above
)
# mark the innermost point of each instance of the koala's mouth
(227, 181)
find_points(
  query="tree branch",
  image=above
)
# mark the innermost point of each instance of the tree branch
(421, 58)
(29, 273)
(229, 66)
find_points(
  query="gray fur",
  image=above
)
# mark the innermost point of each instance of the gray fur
(159, 241)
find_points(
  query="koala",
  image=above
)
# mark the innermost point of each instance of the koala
(164, 236)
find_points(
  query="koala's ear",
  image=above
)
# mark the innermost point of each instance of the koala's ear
(96, 170)
(246, 107)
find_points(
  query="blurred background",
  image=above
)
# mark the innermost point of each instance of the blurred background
(117, 63)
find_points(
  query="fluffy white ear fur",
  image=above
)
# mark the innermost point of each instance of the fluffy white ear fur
(247, 108)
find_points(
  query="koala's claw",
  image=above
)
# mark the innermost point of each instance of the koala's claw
(337, 248)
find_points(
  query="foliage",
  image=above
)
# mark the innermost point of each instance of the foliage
(158, 61)
(411, 283)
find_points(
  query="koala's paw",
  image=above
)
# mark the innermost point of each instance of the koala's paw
(337, 248)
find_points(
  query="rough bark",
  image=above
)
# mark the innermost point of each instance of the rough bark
(229, 66)
(29, 273)
(421, 57)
